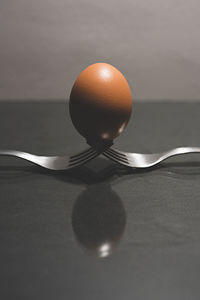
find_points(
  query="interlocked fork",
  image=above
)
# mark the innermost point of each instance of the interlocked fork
(133, 160)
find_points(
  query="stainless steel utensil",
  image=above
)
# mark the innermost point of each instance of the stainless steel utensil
(54, 162)
(140, 160)
(133, 160)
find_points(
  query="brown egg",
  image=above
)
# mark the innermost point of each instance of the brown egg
(100, 103)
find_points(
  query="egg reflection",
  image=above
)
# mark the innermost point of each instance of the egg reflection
(104, 250)
(98, 220)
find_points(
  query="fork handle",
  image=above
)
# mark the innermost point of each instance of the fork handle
(19, 154)
(180, 151)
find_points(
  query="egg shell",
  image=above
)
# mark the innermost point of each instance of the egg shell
(100, 103)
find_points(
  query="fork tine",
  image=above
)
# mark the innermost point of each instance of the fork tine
(77, 155)
(82, 155)
(112, 157)
(81, 161)
(117, 152)
(118, 157)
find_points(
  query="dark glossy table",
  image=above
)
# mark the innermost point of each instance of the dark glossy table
(100, 231)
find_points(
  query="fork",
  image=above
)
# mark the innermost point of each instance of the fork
(140, 160)
(54, 162)
(133, 160)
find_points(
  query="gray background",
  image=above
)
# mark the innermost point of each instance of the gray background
(46, 43)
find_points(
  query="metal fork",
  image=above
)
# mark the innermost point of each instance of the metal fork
(139, 160)
(133, 160)
(54, 162)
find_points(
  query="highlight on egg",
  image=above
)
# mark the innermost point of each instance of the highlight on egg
(100, 103)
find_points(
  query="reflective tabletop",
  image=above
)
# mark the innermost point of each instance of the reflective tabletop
(100, 231)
